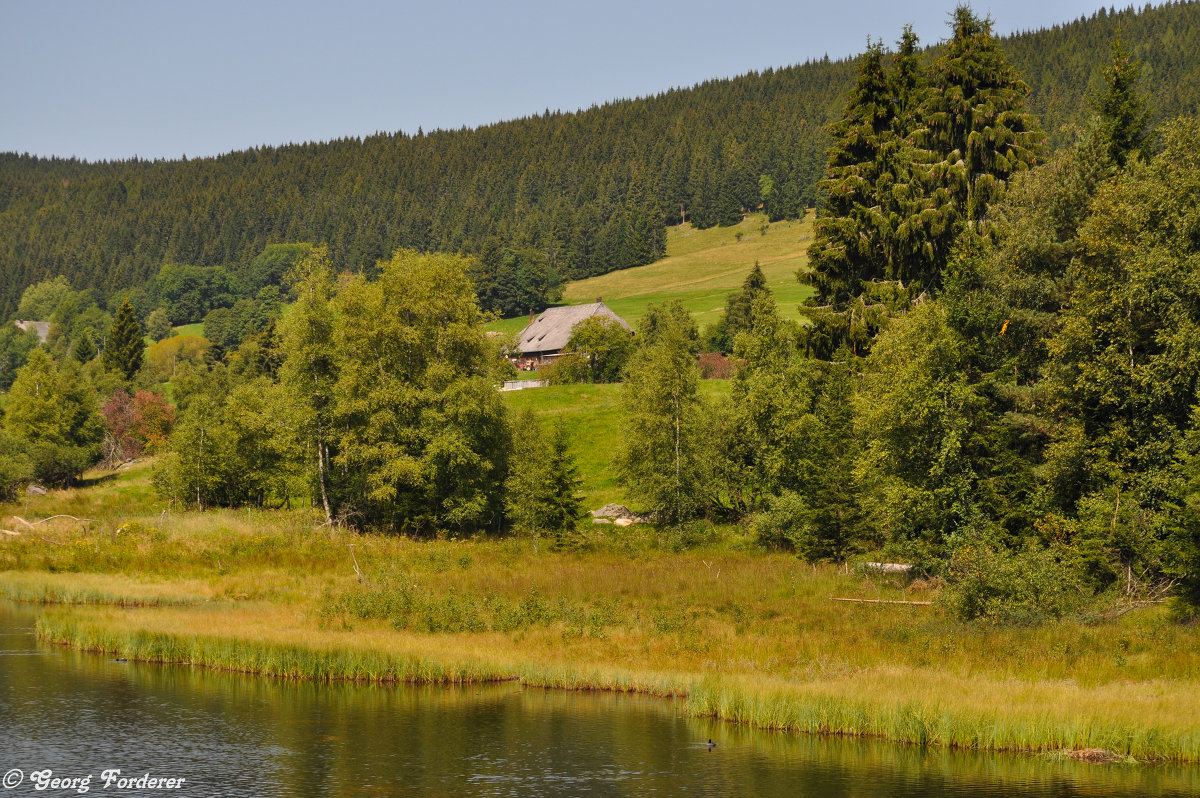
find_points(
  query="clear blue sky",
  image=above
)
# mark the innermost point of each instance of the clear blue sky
(106, 79)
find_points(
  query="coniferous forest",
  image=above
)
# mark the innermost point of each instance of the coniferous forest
(579, 193)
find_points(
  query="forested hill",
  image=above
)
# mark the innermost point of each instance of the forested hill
(591, 190)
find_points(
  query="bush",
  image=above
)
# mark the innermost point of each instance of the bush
(786, 523)
(715, 366)
(566, 369)
(1007, 587)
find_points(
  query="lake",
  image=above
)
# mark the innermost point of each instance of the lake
(83, 715)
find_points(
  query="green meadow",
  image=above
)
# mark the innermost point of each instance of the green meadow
(190, 329)
(591, 415)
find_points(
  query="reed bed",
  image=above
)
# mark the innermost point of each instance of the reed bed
(1150, 720)
(53, 588)
(700, 614)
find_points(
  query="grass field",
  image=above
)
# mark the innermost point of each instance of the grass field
(701, 268)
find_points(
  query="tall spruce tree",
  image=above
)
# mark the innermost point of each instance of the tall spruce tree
(1124, 111)
(847, 250)
(737, 319)
(124, 349)
(974, 116)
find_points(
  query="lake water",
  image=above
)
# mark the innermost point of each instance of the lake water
(81, 714)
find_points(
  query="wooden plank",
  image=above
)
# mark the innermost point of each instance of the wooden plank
(883, 601)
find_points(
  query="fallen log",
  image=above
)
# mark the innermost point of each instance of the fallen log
(51, 518)
(882, 601)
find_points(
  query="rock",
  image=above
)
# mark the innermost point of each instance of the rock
(624, 522)
(613, 511)
(35, 490)
(601, 521)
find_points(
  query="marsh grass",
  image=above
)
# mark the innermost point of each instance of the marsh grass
(56, 588)
(740, 634)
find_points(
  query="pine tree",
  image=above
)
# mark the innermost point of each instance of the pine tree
(738, 315)
(908, 82)
(85, 348)
(124, 348)
(541, 493)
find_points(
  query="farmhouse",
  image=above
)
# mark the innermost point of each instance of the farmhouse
(42, 328)
(548, 333)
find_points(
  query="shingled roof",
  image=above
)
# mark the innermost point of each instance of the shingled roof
(42, 328)
(550, 331)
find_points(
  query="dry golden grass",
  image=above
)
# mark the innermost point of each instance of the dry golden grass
(743, 634)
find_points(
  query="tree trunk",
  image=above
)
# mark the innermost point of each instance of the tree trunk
(321, 456)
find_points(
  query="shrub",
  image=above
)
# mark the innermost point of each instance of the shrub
(715, 366)
(1005, 587)
(136, 424)
(786, 523)
(566, 369)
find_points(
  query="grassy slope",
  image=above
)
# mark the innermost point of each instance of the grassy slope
(191, 329)
(744, 635)
(701, 268)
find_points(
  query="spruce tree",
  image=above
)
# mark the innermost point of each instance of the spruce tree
(974, 116)
(1123, 110)
(124, 348)
(85, 348)
(738, 307)
(542, 489)
(846, 250)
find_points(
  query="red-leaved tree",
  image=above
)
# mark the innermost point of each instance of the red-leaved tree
(135, 425)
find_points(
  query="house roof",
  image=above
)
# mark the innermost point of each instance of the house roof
(41, 327)
(551, 330)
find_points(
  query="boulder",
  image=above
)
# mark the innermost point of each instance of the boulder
(613, 511)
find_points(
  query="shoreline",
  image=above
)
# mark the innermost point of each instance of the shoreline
(727, 698)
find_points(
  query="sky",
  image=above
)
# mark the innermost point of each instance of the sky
(171, 78)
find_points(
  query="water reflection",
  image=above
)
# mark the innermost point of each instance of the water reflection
(234, 735)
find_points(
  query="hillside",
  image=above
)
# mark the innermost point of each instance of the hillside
(591, 191)
(700, 269)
